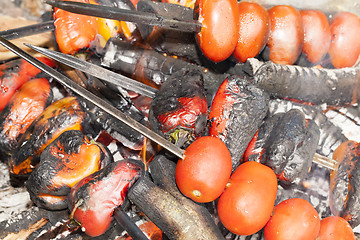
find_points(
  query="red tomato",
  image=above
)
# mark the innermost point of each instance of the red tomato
(286, 34)
(317, 35)
(253, 31)
(204, 172)
(344, 47)
(335, 228)
(74, 31)
(294, 219)
(220, 27)
(248, 201)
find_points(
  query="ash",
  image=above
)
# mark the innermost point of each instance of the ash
(12, 200)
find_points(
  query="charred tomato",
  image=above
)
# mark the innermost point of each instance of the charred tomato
(93, 200)
(179, 109)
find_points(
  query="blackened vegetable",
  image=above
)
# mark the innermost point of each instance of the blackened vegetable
(291, 146)
(22, 109)
(236, 113)
(65, 114)
(14, 74)
(331, 135)
(93, 199)
(312, 85)
(73, 31)
(345, 183)
(118, 130)
(68, 159)
(150, 65)
(179, 109)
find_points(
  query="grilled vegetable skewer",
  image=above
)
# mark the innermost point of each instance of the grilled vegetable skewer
(94, 99)
(98, 71)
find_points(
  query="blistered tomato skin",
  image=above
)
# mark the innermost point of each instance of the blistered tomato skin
(254, 29)
(220, 26)
(317, 36)
(248, 201)
(204, 172)
(286, 34)
(345, 47)
(294, 219)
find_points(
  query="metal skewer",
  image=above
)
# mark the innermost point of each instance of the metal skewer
(321, 160)
(126, 15)
(98, 71)
(65, 81)
(28, 30)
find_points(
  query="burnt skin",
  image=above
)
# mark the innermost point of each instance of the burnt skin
(148, 64)
(331, 136)
(14, 74)
(291, 146)
(65, 114)
(101, 120)
(256, 148)
(93, 199)
(335, 87)
(300, 163)
(69, 158)
(345, 184)
(22, 109)
(236, 114)
(179, 109)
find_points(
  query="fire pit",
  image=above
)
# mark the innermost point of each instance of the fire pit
(155, 197)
